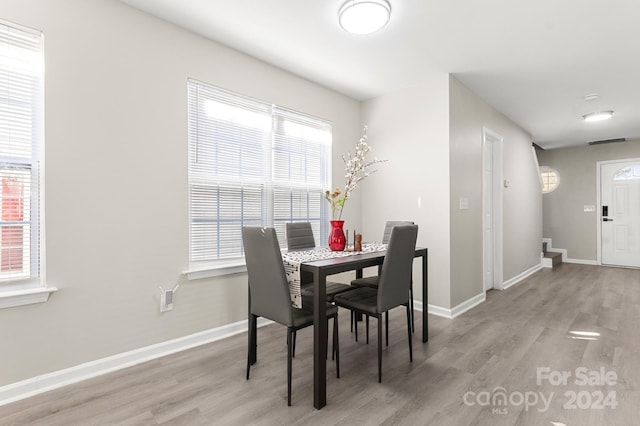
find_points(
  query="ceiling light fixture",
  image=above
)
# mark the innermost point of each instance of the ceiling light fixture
(364, 16)
(598, 116)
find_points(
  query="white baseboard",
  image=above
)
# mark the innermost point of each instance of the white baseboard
(468, 304)
(515, 280)
(455, 311)
(475, 300)
(581, 261)
(46, 382)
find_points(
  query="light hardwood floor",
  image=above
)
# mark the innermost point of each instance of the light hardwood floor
(495, 348)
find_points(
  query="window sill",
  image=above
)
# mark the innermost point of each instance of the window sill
(196, 273)
(9, 299)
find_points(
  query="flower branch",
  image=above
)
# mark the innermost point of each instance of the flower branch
(356, 168)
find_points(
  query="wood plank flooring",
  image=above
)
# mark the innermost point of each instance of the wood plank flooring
(457, 378)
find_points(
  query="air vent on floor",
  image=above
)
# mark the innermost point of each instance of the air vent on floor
(607, 141)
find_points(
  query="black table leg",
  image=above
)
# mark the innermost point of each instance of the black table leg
(319, 339)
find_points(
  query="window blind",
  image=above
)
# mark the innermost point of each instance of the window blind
(21, 120)
(251, 164)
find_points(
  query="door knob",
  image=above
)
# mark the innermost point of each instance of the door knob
(606, 219)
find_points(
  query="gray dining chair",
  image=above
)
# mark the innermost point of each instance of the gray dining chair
(372, 281)
(393, 285)
(270, 298)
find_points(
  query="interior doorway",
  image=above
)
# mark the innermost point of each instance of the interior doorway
(619, 213)
(491, 209)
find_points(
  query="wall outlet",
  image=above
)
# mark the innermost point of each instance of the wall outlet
(166, 300)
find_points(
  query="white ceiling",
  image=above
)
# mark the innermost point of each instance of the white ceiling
(532, 60)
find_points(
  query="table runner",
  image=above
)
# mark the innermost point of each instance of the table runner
(293, 259)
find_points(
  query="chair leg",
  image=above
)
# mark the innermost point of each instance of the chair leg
(253, 327)
(380, 349)
(355, 324)
(293, 349)
(409, 334)
(289, 362)
(367, 329)
(251, 344)
(413, 323)
(386, 326)
(336, 345)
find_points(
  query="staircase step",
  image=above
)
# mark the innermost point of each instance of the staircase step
(556, 258)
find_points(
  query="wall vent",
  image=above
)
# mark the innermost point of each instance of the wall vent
(607, 141)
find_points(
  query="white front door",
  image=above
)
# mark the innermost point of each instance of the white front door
(620, 213)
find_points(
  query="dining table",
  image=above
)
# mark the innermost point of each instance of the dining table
(321, 269)
(329, 265)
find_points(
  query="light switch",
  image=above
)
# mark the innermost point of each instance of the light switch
(464, 203)
(589, 209)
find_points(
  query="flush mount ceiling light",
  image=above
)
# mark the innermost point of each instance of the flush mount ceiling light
(598, 116)
(364, 16)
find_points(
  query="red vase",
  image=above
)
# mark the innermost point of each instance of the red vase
(337, 240)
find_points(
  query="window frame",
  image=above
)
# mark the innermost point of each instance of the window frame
(26, 64)
(634, 174)
(271, 180)
(547, 169)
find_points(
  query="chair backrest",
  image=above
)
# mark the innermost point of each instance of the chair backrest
(395, 279)
(389, 226)
(300, 236)
(267, 279)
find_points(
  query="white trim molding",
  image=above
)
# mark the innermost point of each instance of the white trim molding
(580, 261)
(46, 382)
(474, 301)
(515, 280)
(468, 304)
(219, 270)
(455, 311)
(9, 299)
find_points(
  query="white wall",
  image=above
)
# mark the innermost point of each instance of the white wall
(522, 202)
(432, 137)
(116, 180)
(410, 130)
(565, 220)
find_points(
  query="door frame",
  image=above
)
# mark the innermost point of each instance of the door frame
(599, 164)
(489, 136)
